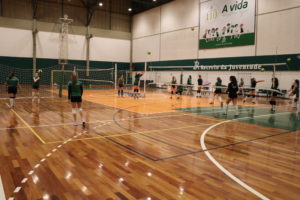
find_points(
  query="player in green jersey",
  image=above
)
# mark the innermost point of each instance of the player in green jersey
(180, 87)
(218, 92)
(136, 84)
(189, 86)
(12, 83)
(173, 86)
(36, 87)
(121, 85)
(75, 91)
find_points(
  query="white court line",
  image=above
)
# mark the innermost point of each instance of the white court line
(17, 189)
(2, 194)
(225, 171)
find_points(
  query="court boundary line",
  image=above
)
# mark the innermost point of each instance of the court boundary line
(28, 126)
(228, 145)
(133, 133)
(2, 193)
(223, 169)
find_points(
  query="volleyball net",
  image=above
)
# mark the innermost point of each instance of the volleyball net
(161, 76)
(54, 80)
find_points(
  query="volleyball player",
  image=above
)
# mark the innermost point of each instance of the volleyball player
(35, 87)
(189, 86)
(252, 92)
(179, 88)
(274, 93)
(121, 85)
(218, 92)
(295, 91)
(173, 86)
(75, 91)
(200, 83)
(232, 90)
(12, 84)
(241, 86)
(136, 84)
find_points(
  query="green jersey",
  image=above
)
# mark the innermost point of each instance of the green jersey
(36, 81)
(189, 81)
(75, 90)
(121, 81)
(218, 83)
(12, 82)
(180, 88)
(137, 79)
(174, 82)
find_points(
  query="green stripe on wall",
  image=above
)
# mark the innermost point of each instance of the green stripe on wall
(26, 63)
(294, 64)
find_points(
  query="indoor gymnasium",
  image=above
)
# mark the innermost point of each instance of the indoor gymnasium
(149, 100)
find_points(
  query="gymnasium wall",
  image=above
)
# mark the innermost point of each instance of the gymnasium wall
(170, 33)
(17, 45)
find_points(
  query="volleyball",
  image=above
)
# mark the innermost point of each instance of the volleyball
(262, 69)
(289, 59)
(40, 71)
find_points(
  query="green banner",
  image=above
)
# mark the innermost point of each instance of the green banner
(227, 41)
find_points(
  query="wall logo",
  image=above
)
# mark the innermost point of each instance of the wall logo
(212, 14)
(250, 67)
(234, 7)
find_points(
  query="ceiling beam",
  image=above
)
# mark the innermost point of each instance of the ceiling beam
(84, 3)
(90, 13)
(34, 8)
(143, 2)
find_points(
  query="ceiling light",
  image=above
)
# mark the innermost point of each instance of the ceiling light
(129, 9)
(100, 4)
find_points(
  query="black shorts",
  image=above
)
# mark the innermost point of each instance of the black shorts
(12, 90)
(76, 99)
(136, 90)
(173, 86)
(233, 96)
(218, 91)
(36, 87)
(274, 94)
(179, 92)
(120, 85)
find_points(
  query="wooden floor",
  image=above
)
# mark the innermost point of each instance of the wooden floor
(145, 149)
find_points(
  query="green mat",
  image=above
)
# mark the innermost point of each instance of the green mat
(252, 115)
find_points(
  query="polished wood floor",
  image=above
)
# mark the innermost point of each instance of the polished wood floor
(141, 149)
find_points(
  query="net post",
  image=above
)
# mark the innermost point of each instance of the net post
(116, 75)
(145, 79)
(62, 80)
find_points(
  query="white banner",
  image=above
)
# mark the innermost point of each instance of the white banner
(227, 23)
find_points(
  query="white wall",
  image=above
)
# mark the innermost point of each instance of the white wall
(146, 24)
(105, 49)
(277, 28)
(142, 46)
(167, 31)
(279, 31)
(15, 42)
(18, 43)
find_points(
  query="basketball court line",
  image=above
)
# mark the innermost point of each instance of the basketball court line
(2, 193)
(28, 126)
(218, 165)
